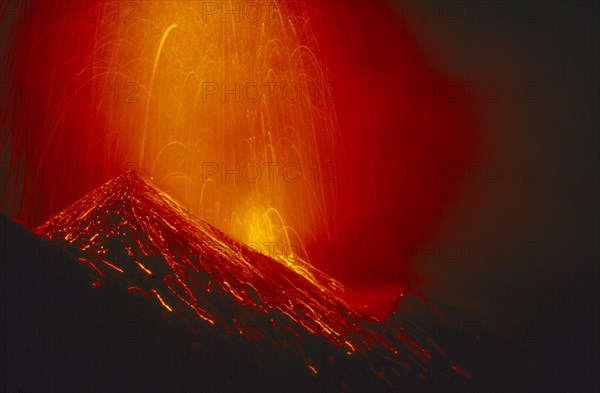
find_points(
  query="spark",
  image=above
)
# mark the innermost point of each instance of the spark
(104, 261)
(143, 267)
(165, 305)
(152, 78)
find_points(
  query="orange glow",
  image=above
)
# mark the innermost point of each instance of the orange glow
(290, 125)
(234, 116)
(228, 112)
(129, 216)
(140, 217)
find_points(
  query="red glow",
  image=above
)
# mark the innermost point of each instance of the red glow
(127, 209)
(460, 371)
(139, 228)
(127, 81)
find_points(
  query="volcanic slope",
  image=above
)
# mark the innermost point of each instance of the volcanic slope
(130, 232)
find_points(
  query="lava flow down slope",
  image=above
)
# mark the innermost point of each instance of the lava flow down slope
(207, 286)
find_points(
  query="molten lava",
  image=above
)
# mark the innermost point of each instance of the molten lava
(131, 228)
(130, 232)
(315, 125)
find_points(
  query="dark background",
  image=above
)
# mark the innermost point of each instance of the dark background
(520, 248)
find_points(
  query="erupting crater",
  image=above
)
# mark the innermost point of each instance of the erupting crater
(130, 232)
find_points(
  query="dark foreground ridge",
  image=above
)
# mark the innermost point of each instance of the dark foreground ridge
(132, 292)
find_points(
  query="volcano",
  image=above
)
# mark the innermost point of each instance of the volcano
(130, 230)
(214, 295)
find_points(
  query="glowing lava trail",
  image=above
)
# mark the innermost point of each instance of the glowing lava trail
(297, 128)
(132, 233)
(290, 125)
(228, 110)
(130, 220)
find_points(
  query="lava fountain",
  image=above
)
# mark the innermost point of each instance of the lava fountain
(288, 125)
(224, 103)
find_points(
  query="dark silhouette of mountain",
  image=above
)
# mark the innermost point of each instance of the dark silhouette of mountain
(129, 291)
(189, 267)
